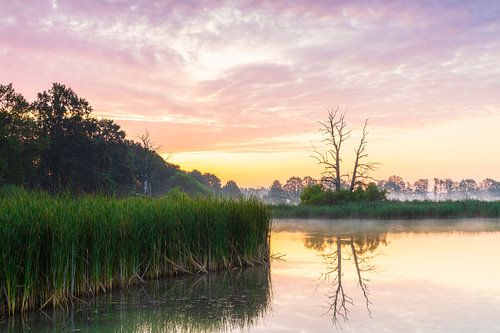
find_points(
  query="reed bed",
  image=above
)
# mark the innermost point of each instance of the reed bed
(393, 210)
(55, 249)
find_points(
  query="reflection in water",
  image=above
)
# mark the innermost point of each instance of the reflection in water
(420, 285)
(348, 247)
(212, 302)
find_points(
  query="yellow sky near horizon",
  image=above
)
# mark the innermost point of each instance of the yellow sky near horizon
(441, 150)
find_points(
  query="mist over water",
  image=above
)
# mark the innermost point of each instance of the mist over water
(431, 196)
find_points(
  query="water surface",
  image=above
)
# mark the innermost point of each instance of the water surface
(334, 276)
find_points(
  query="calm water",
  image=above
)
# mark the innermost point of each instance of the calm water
(359, 276)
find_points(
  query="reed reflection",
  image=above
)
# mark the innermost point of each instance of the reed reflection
(339, 251)
(214, 302)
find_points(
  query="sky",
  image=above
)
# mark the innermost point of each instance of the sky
(237, 88)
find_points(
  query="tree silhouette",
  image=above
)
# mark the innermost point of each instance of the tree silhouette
(335, 134)
(355, 248)
(231, 190)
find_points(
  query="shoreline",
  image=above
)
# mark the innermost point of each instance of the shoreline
(393, 210)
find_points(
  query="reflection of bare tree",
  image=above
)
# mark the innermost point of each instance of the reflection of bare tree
(357, 248)
(362, 264)
(338, 300)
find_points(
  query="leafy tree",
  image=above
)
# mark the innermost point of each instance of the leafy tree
(207, 179)
(187, 184)
(468, 186)
(395, 184)
(55, 143)
(231, 190)
(421, 186)
(372, 193)
(64, 120)
(490, 185)
(312, 195)
(308, 181)
(197, 175)
(318, 195)
(213, 182)
(19, 143)
(276, 193)
(112, 160)
(293, 187)
(450, 186)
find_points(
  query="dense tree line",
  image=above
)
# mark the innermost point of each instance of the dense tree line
(212, 182)
(300, 190)
(54, 143)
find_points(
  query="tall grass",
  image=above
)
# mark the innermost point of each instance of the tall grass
(54, 249)
(393, 210)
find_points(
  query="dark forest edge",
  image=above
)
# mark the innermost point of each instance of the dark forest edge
(56, 144)
(391, 209)
(58, 248)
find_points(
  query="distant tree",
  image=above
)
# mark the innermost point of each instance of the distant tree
(372, 193)
(293, 187)
(213, 182)
(308, 181)
(450, 186)
(207, 179)
(231, 190)
(185, 183)
(421, 186)
(313, 195)
(381, 184)
(395, 184)
(490, 185)
(197, 175)
(439, 186)
(468, 186)
(276, 193)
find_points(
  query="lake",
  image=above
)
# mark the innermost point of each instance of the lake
(327, 276)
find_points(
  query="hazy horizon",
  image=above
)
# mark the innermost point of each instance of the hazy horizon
(237, 88)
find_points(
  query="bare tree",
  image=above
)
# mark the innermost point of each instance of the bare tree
(146, 168)
(361, 168)
(336, 133)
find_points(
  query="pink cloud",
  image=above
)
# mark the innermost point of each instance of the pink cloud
(157, 64)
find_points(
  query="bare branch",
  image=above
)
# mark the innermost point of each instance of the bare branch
(335, 134)
(361, 170)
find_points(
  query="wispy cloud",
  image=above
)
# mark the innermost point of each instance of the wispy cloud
(245, 73)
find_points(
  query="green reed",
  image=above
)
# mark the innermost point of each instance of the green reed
(393, 210)
(55, 249)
